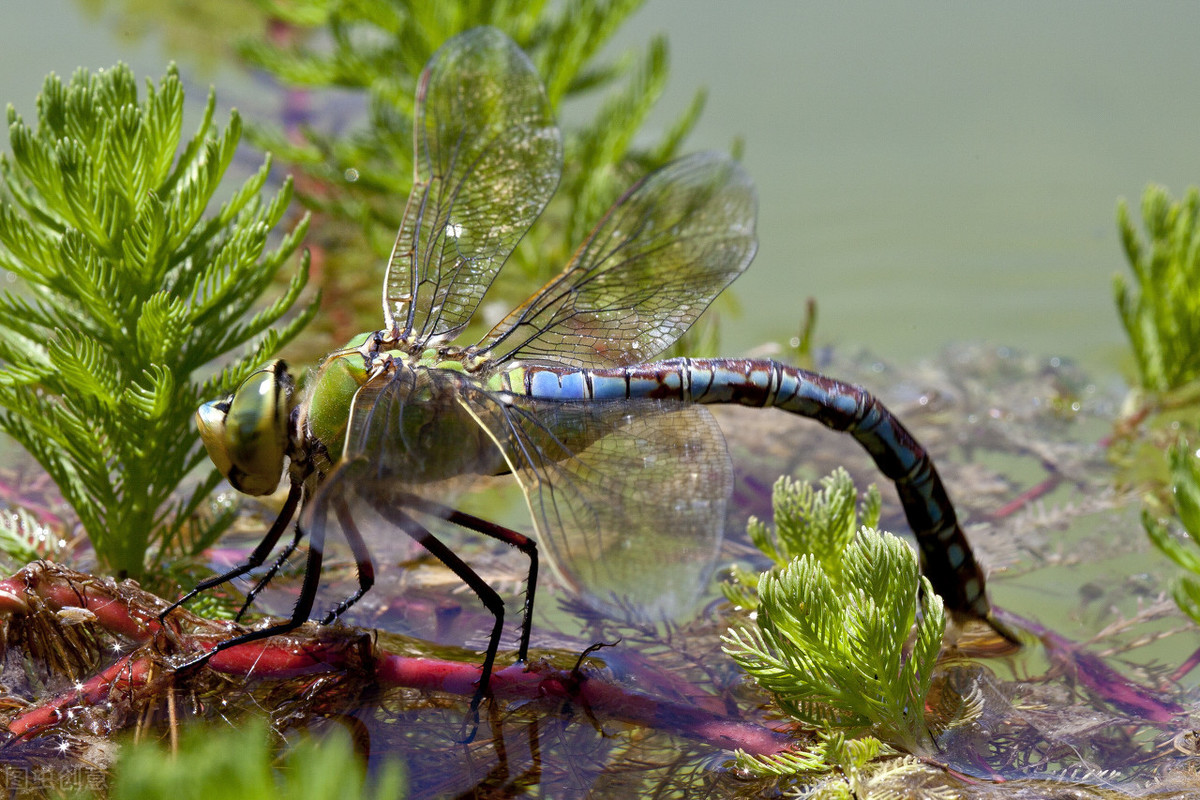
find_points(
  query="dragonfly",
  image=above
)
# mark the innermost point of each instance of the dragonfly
(624, 472)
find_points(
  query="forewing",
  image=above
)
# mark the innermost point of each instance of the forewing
(652, 265)
(627, 497)
(487, 160)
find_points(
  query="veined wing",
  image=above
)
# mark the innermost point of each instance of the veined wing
(648, 270)
(408, 436)
(411, 426)
(487, 158)
(627, 497)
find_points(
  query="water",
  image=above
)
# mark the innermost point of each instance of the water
(934, 172)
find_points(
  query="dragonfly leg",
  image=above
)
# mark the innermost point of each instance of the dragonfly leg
(525, 545)
(486, 594)
(500, 533)
(363, 564)
(300, 612)
(280, 560)
(256, 558)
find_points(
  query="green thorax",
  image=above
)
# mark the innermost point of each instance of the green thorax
(326, 410)
(433, 433)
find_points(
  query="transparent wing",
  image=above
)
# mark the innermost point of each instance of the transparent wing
(413, 426)
(408, 437)
(627, 497)
(648, 270)
(487, 159)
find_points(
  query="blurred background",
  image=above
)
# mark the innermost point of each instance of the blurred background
(931, 173)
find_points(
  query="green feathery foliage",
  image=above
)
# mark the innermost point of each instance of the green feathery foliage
(239, 761)
(832, 626)
(378, 49)
(1161, 313)
(833, 750)
(1185, 479)
(821, 523)
(128, 290)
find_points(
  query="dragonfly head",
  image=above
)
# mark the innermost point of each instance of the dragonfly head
(246, 434)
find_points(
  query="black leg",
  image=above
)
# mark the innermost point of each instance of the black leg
(304, 603)
(366, 571)
(363, 564)
(280, 560)
(500, 533)
(257, 557)
(487, 595)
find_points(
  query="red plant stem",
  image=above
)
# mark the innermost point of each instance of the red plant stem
(125, 675)
(57, 592)
(601, 697)
(1026, 497)
(1187, 666)
(290, 656)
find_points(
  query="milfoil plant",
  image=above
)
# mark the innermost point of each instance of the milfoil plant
(128, 289)
(832, 623)
(1183, 550)
(1160, 309)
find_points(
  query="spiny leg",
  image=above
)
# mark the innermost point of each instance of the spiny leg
(257, 557)
(486, 594)
(304, 602)
(271, 572)
(500, 533)
(363, 564)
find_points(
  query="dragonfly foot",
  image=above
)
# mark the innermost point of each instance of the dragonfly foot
(334, 613)
(162, 615)
(576, 670)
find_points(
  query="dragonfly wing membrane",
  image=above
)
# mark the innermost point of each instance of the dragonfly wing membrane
(487, 158)
(412, 427)
(649, 269)
(628, 498)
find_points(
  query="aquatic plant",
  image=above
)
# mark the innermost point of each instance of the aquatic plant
(1185, 552)
(832, 621)
(224, 760)
(129, 290)
(810, 522)
(1161, 309)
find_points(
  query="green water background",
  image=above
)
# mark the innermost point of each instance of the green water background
(929, 172)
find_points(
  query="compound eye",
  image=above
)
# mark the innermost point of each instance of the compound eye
(210, 419)
(246, 435)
